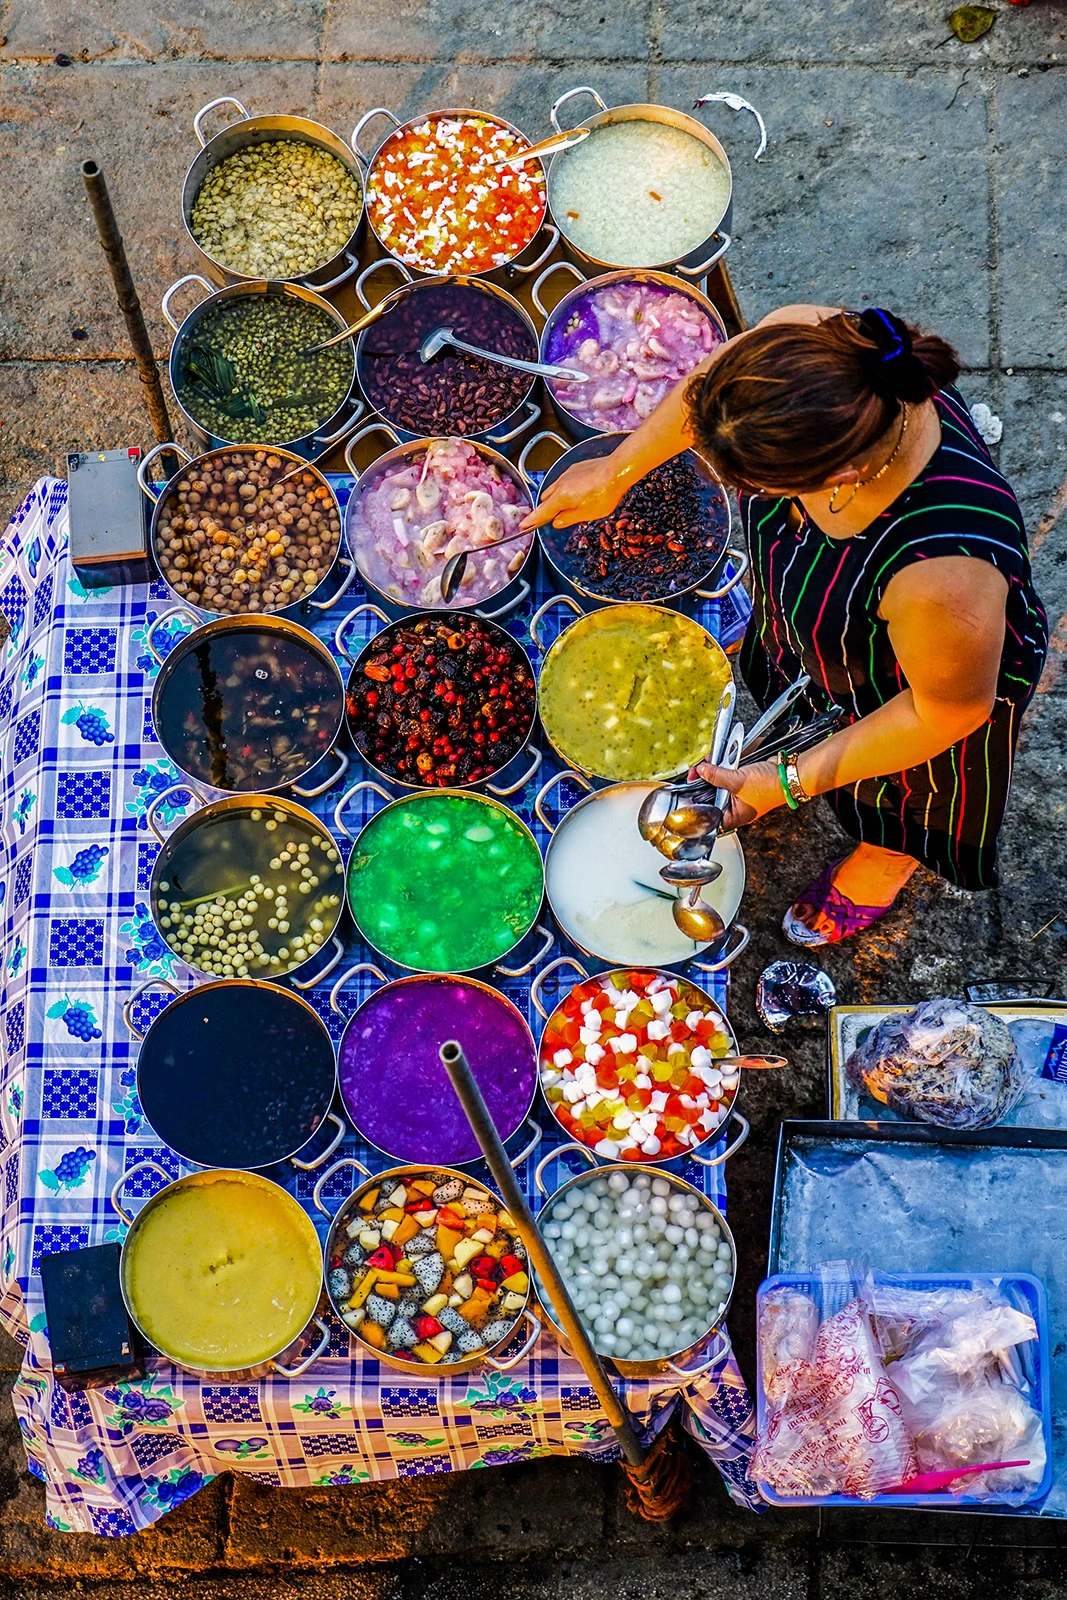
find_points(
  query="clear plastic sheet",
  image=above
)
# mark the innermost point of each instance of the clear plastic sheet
(945, 1061)
(922, 1206)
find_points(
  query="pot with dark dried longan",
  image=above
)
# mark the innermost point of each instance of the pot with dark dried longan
(233, 532)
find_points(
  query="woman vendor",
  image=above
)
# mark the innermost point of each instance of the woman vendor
(889, 562)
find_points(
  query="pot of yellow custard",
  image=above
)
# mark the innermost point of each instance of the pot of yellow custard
(222, 1272)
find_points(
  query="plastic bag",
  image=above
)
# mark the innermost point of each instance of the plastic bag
(946, 1062)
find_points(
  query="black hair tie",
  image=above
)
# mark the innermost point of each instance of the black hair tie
(901, 372)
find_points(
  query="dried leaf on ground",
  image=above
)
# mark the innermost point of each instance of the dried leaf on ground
(970, 23)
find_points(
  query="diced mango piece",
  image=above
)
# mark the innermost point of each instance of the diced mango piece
(367, 1200)
(428, 1352)
(373, 1334)
(404, 1231)
(392, 1214)
(498, 1248)
(391, 1291)
(447, 1240)
(475, 1309)
(404, 1279)
(434, 1304)
(363, 1288)
(465, 1251)
(518, 1283)
(423, 1186)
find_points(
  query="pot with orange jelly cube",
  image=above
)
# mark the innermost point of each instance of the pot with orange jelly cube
(425, 1267)
(627, 1065)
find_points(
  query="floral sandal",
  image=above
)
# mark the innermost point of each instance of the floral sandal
(822, 898)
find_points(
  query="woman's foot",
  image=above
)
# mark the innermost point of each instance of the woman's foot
(848, 896)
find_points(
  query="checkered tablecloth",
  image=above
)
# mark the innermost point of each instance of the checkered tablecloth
(76, 937)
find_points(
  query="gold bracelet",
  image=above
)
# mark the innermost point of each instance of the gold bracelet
(792, 778)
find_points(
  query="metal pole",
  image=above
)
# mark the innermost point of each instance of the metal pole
(130, 306)
(470, 1098)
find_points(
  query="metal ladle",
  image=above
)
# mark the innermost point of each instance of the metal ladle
(456, 565)
(692, 915)
(439, 338)
(360, 323)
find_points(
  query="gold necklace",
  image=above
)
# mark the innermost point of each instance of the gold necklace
(882, 470)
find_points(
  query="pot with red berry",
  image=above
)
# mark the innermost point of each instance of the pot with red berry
(441, 699)
(426, 1269)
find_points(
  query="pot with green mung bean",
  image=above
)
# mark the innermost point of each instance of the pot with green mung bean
(244, 368)
(275, 197)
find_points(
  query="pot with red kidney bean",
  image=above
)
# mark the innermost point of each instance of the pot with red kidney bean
(441, 700)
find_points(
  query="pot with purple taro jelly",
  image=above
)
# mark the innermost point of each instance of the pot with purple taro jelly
(454, 393)
(390, 1075)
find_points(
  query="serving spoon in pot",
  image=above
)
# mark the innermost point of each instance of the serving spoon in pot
(456, 565)
(439, 339)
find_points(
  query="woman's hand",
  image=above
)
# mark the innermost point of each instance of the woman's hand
(754, 790)
(584, 493)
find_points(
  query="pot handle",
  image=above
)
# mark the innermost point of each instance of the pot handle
(346, 584)
(717, 1161)
(325, 441)
(309, 1360)
(157, 450)
(343, 276)
(698, 1372)
(127, 1010)
(553, 966)
(706, 266)
(185, 787)
(313, 1166)
(372, 427)
(741, 562)
(553, 266)
(369, 116)
(528, 966)
(533, 414)
(560, 1149)
(522, 594)
(552, 235)
(736, 103)
(338, 810)
(342, 626)
(544, 609)
(309, 983)
(324, 1178)
(728, 960)
(116, 1190)
(545, 791)
(546, 433)
(376, 266)
(528, 1149)
(360, 966)
(502, 790)
(165, 616)
(190, 277)
(321, 788)
(223, 100)
(520, 1355)
(571, 94)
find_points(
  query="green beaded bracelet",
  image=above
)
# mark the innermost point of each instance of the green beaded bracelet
(784, 781)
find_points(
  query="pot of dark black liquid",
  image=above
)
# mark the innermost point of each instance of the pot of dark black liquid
(452, 393)
(249, 705)
(238, 1073)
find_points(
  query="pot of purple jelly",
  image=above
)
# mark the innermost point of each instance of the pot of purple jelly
(391, 1078)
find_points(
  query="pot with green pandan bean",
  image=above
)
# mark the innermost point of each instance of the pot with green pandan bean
(244, 370)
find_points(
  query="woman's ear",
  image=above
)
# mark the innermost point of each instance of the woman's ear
(843, 475)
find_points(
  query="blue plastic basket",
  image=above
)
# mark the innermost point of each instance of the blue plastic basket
(1028, 1293)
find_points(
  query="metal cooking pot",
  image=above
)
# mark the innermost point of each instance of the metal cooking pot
(417, 797)
(697, 262)
(224, 811)
(307, 444)
(524, 415)
(510, 1115)
(248, 130)
(285, 1202)
(725, 893)
(337, 1240)
(254, 627)
(583, 620)
(196, 464)
(587, 286)
(237, 1073)
(514, 593)
(726, 1104)
(504, 640)
(716, 506)
(540, 246)
(674, 1362)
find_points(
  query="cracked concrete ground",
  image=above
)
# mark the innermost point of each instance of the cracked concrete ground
(903, 169)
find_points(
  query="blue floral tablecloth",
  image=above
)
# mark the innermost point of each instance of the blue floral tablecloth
(80, 766)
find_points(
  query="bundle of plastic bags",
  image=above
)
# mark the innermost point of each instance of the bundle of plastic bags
(869, 1384)
(946, 1062)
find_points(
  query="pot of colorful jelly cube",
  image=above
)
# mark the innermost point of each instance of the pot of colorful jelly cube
(426, 1269)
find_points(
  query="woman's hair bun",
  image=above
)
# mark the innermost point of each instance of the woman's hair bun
(900, 365)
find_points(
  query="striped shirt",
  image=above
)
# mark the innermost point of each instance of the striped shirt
(815, 609)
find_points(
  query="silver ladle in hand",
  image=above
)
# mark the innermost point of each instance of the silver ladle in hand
(439, 338)
(692, 914)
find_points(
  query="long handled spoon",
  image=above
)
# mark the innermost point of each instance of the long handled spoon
(439, 338)
(360, 323)
(456, 565)
(547, 147)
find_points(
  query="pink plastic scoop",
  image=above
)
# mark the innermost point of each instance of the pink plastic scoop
(931, 1482)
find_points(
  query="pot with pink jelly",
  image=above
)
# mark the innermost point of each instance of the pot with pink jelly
(394, 1086)
(636, 333)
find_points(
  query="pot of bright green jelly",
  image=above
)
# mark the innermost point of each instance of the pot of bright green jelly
(445, 882)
